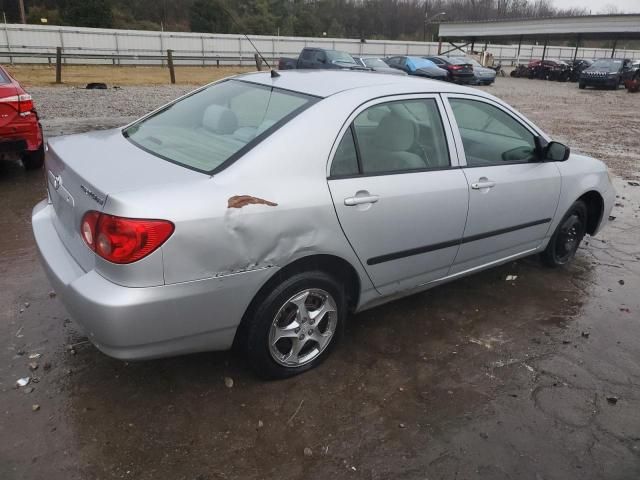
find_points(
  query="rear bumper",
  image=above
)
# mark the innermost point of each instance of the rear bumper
(142, 323)
(464, 79)
(21, 135)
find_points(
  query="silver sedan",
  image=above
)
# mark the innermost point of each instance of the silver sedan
(259, 211)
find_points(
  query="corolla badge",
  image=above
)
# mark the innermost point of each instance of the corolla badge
(92, 195)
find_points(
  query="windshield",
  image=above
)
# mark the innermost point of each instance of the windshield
(374, 63)
(416, 63)
(216, 124)
(607, 64)
(340, 57)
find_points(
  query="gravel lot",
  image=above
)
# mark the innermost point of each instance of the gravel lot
(536, 379)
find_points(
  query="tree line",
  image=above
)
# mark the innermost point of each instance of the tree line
(383, 19)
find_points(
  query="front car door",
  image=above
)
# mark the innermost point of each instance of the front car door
(513, 196)
(400, 198)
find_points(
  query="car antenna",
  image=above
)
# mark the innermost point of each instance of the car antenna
(274, 74)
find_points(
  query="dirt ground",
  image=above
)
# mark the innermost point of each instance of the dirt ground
(537, 378)
(80, 75)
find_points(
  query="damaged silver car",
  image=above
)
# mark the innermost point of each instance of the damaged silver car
(260, 210)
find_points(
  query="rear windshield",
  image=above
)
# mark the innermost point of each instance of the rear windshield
(457, 61)
(374, 62)
(217, 124)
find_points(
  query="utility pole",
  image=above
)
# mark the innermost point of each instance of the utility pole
(23, 17)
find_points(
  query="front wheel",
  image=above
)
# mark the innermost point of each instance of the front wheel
(565, 240)
(296, 325)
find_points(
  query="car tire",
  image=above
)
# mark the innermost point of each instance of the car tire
(279, 314)
(33, 160)
(566, 239)
(581, 86)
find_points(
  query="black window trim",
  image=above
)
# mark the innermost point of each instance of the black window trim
(313, 99)
(432, 96)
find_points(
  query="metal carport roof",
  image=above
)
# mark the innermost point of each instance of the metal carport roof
(609, 27)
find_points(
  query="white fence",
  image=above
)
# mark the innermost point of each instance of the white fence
(37, 44)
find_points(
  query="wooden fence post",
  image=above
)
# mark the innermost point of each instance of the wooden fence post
(258, 61)
(58, 64)
(172, 72)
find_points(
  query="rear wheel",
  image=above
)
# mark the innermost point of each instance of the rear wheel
(565, 240)
(296, 325)
(33, 160)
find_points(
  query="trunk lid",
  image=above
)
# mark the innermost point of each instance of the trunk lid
(466, 68)
(82, 170)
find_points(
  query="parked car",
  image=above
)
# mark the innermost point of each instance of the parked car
(322, 58)
(577, 66)
(460, 71)
(260, 212)
(606, 72)
(543, 69)
(560, 72)
(418, 66)
(483, 75)
(377, 65)
(20, 130)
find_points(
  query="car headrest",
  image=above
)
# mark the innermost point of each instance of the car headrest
(377, 114)
(395, 133)
(219, 119)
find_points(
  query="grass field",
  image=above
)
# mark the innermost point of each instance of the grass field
(80, 75)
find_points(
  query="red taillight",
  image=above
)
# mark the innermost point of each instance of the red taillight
(455, 67)
(123, 240)
(22, 103)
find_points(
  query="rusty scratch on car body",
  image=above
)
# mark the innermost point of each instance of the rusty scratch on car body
(239, 201)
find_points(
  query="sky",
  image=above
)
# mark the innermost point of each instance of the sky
(597, 6)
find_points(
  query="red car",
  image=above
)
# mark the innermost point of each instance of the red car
(20, 130)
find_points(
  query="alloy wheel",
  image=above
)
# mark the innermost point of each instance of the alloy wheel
(303, 327)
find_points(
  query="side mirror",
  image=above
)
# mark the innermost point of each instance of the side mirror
(556, 152)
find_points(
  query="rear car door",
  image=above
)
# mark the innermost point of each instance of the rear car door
(513, 195)
(400, 198)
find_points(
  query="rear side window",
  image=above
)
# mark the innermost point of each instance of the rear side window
(217, 124)
(3, 77)
(400, 136)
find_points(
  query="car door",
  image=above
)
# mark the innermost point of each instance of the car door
(399, 196)
(513, 196)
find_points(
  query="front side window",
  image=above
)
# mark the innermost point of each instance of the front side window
(491, 136)
(216, 124)
(398, 136)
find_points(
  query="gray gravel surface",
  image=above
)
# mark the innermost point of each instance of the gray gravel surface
(66, 110)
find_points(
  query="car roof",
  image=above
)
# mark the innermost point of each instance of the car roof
(324, 83)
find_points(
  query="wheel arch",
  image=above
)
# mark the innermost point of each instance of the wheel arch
(595, 210)
(331, 264)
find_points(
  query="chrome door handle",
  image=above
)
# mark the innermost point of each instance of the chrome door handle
(483, 184)
(360, 199)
